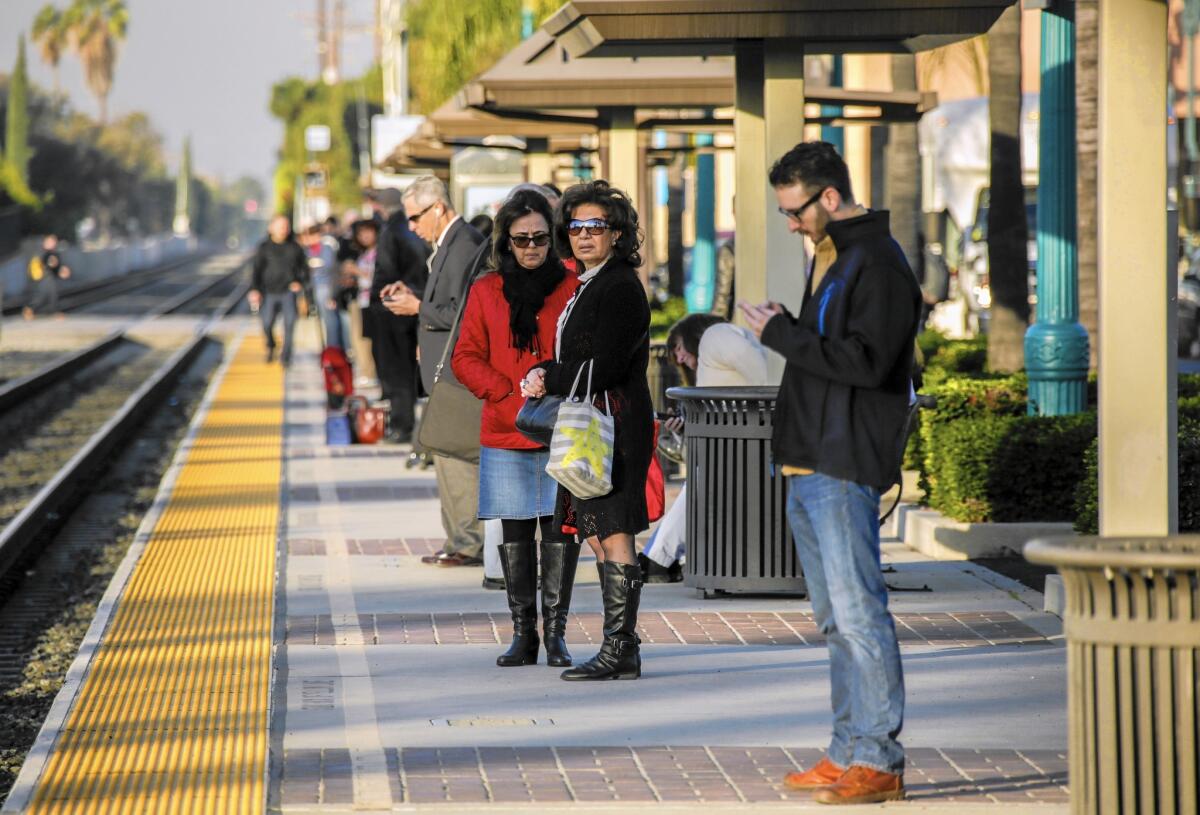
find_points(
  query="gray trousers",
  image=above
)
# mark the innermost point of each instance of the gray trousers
(458, 489)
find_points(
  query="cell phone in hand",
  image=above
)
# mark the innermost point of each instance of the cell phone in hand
(663, 416)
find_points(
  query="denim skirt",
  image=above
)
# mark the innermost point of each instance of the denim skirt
(513, 484)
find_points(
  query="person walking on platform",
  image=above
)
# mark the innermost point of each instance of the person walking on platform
(45, 270)
(839, 435)
(607, 324)
(456, 248)
(401, 257)
(509, 322)
(280, 272)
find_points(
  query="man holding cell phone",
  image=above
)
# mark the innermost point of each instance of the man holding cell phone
(839, 422)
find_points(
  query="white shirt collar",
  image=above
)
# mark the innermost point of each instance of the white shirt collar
(592, 271)
(442, 236)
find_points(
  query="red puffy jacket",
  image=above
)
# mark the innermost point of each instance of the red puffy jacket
(487, 364)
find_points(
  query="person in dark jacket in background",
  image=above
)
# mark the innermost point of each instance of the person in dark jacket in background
(280, 272)
(401, 257)
(607, 324)
(839, 436)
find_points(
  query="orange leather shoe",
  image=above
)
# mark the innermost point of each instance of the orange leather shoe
(824, 773)
(862, 785)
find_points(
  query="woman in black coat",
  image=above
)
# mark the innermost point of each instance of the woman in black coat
(607, 323)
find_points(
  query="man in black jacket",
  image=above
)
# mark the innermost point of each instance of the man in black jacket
(839, 434)
(401, 257)
(280, 272)
(455, 255)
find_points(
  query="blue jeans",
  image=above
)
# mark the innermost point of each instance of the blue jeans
(269, 311)
(330, 322)
(836, 527)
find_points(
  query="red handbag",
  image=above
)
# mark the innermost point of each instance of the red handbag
(656, 487)
(370, 423)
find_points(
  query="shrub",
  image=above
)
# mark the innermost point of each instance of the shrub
(1087, 497)
(995, 467)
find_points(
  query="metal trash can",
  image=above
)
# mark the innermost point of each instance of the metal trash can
(1132, 624)
(738, 537)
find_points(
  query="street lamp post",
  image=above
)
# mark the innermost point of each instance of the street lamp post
(1056, 345)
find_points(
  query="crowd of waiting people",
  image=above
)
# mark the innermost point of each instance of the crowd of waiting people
(417, 294)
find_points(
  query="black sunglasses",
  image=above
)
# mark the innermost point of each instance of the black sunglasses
(795, 214)
(412, 219)
(593, 227)
(523, 241)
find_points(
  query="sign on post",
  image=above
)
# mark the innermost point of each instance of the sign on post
(317, 138)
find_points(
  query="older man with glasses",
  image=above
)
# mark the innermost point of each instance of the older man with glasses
(456, 253)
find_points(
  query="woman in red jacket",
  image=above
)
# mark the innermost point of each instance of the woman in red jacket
(508, 325)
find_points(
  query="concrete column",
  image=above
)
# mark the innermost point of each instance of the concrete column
(1137, 417)
(751, 188)
(704, 250)
(783, 92)
(1056, 346)
(539, 164)
(623, 170)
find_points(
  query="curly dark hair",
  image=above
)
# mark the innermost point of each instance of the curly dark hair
(816, 165)
(519, 204)
(618, 211)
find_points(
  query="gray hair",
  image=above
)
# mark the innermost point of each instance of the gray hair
(428, 190)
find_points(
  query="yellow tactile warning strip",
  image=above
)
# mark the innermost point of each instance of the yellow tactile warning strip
(173, 714)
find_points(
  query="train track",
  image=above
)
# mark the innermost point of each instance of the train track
(113, 383)
(81, 295)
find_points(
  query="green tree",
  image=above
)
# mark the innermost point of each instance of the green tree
(298, 104)
(453, 40)
(16, 123)
(1008, 261)
(97, 28)
(51, 36)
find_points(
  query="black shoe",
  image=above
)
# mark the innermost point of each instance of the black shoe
(270, 355)
(519, 561)
(399, 438)
(652, 572)
(620, 655)
(493, 583)
(560, 558)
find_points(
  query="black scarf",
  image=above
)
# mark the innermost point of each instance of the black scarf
(526, 291)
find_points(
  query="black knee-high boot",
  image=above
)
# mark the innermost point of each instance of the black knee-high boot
(519, 562)
(560, 558)
(619, 656)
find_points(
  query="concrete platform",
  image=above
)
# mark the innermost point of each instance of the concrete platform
(387, 696)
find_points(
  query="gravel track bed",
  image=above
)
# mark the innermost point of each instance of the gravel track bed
(16, 364)
(43, 619)
(40, 436)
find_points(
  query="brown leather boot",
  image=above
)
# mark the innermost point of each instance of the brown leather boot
(862, 785)
(818, 777)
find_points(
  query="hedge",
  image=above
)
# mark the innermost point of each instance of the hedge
(1087, 498)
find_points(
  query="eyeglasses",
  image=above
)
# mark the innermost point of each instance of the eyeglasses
(795, 214)
(593, 227)
(523, 241)
(412, 219)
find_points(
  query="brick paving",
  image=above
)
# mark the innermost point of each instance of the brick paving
(947, 629)
(715, 774)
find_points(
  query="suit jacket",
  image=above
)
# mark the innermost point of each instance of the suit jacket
(445, 291)
(401, 256)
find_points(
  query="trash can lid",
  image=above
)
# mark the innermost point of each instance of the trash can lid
(737, 393)
(1180, 552)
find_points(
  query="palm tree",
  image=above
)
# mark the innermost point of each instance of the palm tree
(97, 28)
(50, 35)
(1008, 260)
(1086, 53)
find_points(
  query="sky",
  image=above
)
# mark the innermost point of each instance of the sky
(203, 69)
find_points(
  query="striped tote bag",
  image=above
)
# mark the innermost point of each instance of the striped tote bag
(581, 450)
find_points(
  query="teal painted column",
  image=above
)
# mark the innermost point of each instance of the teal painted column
(1056, 346)
(834, 135)
(702, 280)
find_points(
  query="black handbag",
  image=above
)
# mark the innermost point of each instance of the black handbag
(536, 418)
(450, 424)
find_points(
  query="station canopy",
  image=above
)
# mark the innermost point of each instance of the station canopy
(541, 74)
(712, 27)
